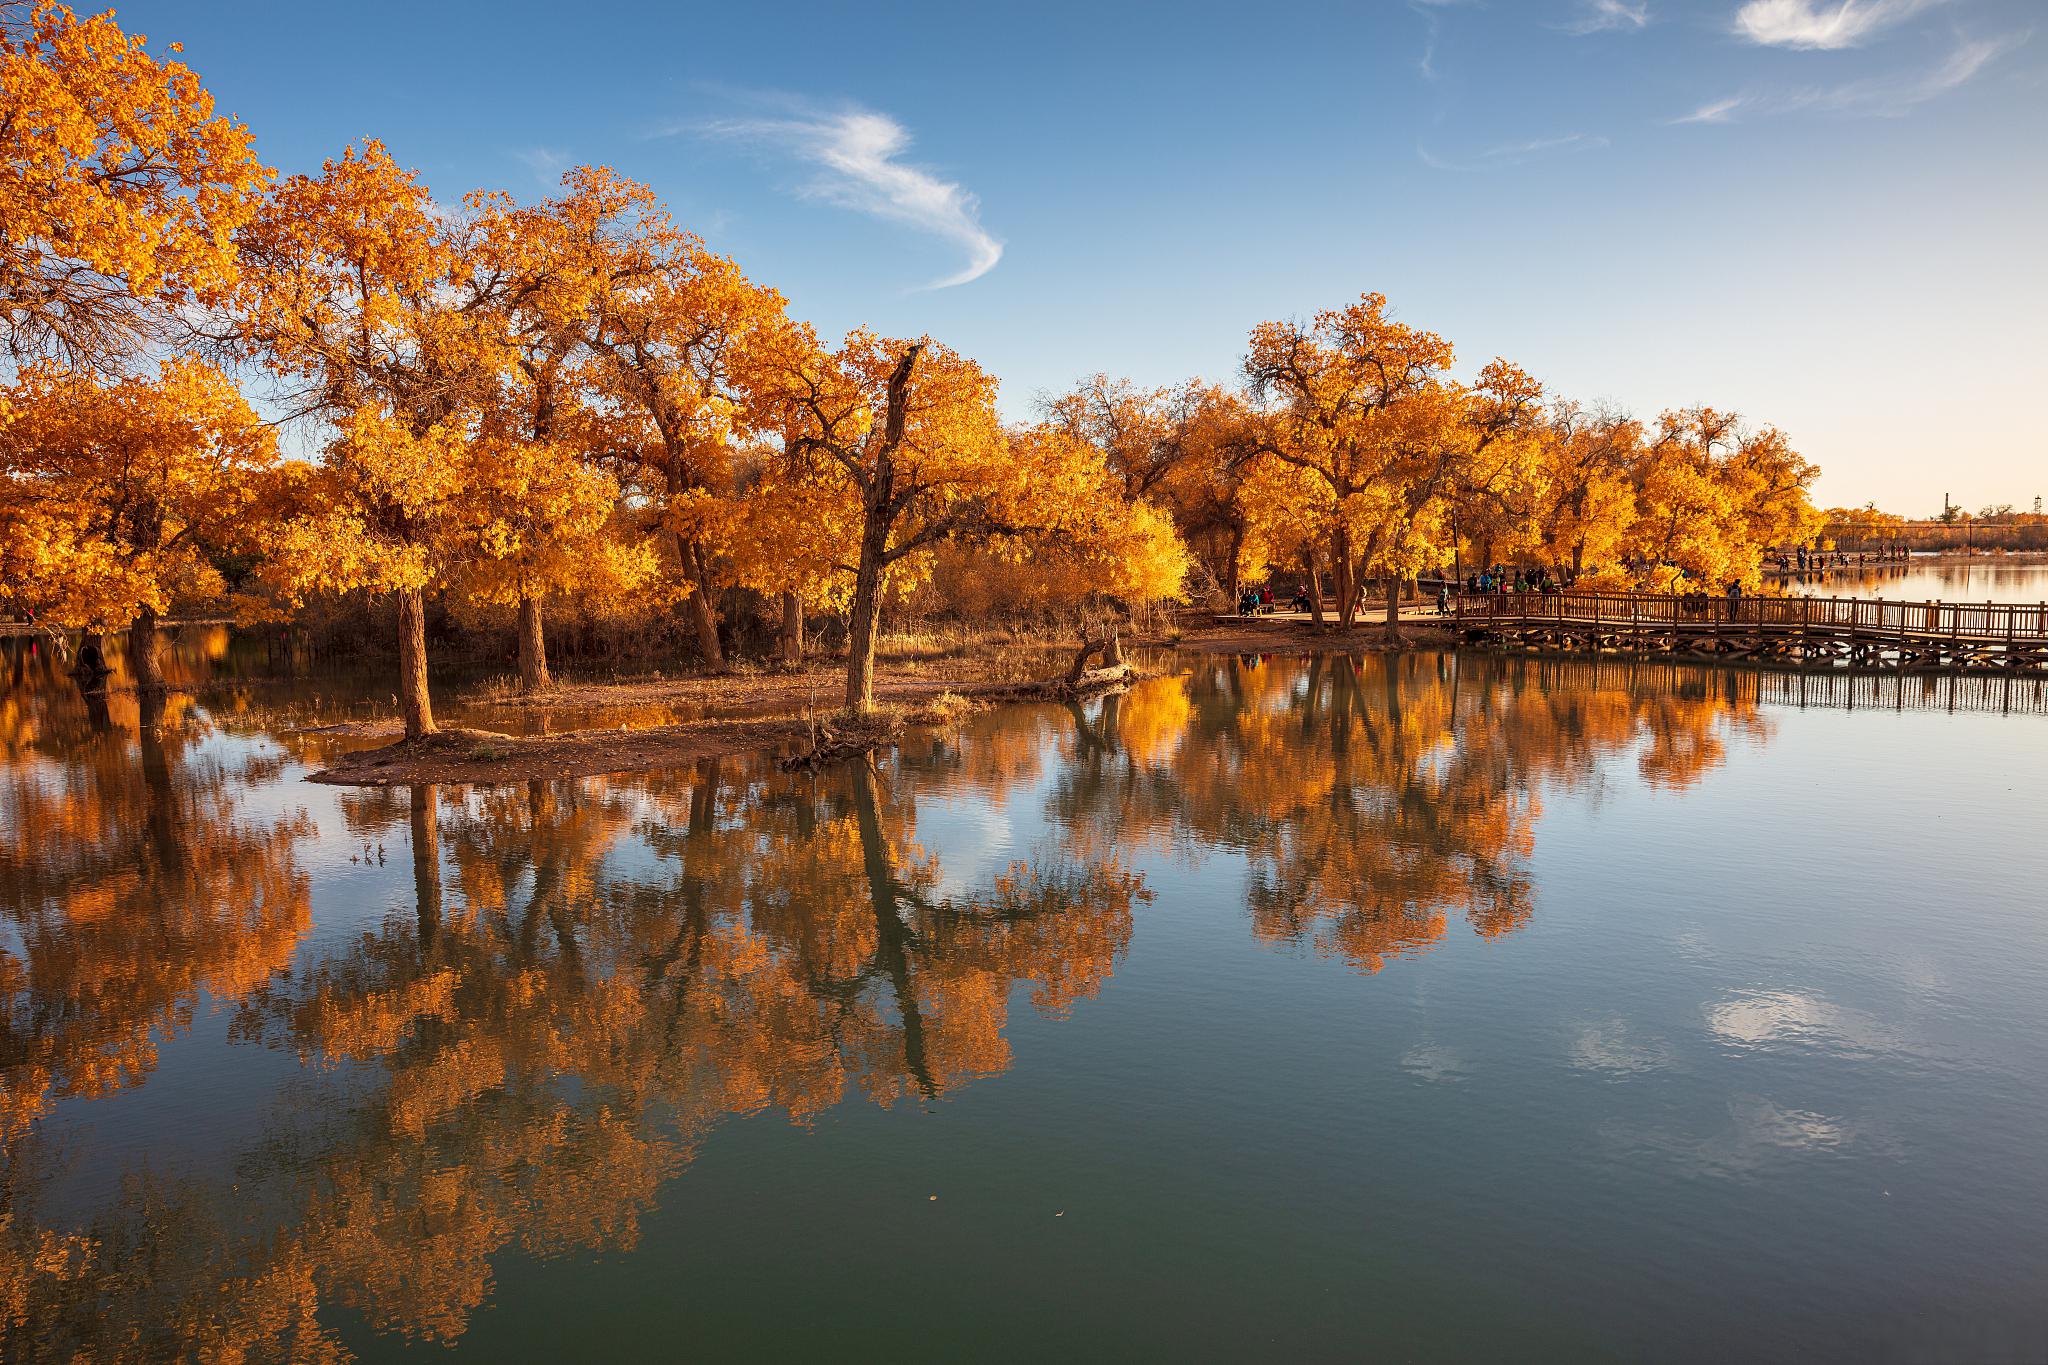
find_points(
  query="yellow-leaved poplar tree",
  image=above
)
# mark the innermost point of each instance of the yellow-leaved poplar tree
(121, 189)
(363, 301)
(115, 494)
(1365, 404)
(547, 512)
(674, 335)
(910, 431)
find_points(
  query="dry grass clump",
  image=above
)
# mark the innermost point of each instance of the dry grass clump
(943, 709)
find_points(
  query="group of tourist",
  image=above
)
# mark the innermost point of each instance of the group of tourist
(1502, 580)
(1699, 602)
(1817, 560)
(1498, 579)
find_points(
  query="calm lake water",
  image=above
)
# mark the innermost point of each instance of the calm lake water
(1992, 578)
(1324, 1009)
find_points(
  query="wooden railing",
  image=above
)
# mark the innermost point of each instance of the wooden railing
(2007, 621)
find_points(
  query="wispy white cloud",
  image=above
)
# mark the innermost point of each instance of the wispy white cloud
(1432, 30)
(546, 164)
(856, 156)
(1601, 16)
(1522, 151)
(1513, 153)
(1723, 110)
(1823, 24)
(1875, 97)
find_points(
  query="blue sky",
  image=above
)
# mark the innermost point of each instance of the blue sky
(1828, 214)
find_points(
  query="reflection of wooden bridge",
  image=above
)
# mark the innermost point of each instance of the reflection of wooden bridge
(1831, 689)
(1786, 631)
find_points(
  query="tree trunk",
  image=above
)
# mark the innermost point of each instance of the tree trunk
(698, 605)
(1230, 583)
(145, 658)
(867, 611)
(533, 648)
(878, 511)
(705, 620)
(792, 629)
(413, 701)
(1393, 606)
(1110, 647)
(1315, 588)
(1346, 585)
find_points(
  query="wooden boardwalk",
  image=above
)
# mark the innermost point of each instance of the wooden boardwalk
(1785, 631)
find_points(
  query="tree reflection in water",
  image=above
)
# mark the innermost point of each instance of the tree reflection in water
(131, 886)
(1373, 798)
(591, 975)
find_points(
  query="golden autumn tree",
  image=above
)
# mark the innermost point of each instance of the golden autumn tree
(1365, 405)
(1769, 483)
(1863, 525)
(1685, 523)
(1580, 499)
(1332, 389)
(112, 494)
(1206, 490)
(1285, 515)
(549, 273)
(1184, 449)
(795, 540)
(674, 331)
(909, 429)
(121, 189)
(1110, 549)
(1142, 433)
(1712, 495)
(363, 302)
(542, 523)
